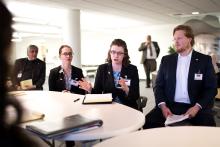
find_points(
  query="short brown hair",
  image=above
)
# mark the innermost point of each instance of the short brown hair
(121, 43)
(188, 32)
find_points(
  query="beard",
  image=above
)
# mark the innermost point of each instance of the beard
(180, 50)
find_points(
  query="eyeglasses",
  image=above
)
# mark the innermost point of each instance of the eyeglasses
(67, 53)
(118, 53)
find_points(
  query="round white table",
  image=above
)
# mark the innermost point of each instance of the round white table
(117, 119)
(189, 136)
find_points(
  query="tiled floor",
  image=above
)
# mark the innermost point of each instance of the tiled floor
(148, 92)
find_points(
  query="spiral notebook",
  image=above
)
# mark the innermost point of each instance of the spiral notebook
(73, 123)
(31, 116)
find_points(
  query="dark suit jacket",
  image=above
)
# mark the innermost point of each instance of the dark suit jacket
(57, 82)
(144, 49)
(200, 91)
(104, 83)
(38, 72)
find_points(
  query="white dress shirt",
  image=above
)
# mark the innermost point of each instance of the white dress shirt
(182, 72)
(154, 54)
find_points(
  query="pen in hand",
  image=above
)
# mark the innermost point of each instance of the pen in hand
(76, 100)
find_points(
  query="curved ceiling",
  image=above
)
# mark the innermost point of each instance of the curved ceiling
(149, 11)
(112, 13)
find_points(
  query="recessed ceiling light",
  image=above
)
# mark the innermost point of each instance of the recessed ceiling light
(195, 13)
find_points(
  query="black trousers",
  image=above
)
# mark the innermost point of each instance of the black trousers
(155, 118)
(150, 65)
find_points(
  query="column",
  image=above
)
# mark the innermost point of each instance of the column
(72, 34)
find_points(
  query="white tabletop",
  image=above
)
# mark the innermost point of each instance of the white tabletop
(117, 119)
(189, 136)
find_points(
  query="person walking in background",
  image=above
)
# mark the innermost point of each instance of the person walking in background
(185, 84)
(11, 134)
(150, 51)
(29, 73)
(65, 78)
(117, 76)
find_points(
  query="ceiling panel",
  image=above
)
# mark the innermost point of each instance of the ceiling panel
(149, 6)
(217, 2)
(204, 6)
(149, 11)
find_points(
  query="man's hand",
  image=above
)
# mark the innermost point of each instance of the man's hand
(193, 111)
(165, 110)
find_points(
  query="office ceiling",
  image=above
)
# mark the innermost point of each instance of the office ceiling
(151, 12)
(106, 14)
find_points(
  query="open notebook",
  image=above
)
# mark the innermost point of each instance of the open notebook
(97, 98)
(73, 123)
(31, 116)
(28, 115)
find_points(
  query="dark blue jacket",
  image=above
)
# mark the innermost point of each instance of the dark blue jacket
(200, 91)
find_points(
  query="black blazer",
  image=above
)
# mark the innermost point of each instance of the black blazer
(38, 72)
(104, 83)
(57, 82)
(144, 49)
(200, 91)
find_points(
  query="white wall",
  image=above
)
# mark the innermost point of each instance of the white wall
(95, 44)
(49, 46)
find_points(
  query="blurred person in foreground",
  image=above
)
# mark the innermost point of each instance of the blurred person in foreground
(11, 134)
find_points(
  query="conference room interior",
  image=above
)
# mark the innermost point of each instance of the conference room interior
(41, 23)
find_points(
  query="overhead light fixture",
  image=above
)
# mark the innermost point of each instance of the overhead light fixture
(16, 39)
(195, 13)
(33, 28)
(29, 20)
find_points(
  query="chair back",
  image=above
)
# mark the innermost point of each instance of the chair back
(141, 102)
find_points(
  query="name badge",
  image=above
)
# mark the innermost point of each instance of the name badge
(128, 82)
(19, 75)
(74, 82)
(198, 76)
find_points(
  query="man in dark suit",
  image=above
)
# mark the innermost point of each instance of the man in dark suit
(30, 68)
(151, 51)
(185, 84)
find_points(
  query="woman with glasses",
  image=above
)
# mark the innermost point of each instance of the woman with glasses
(117, 76)
(65, 78)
